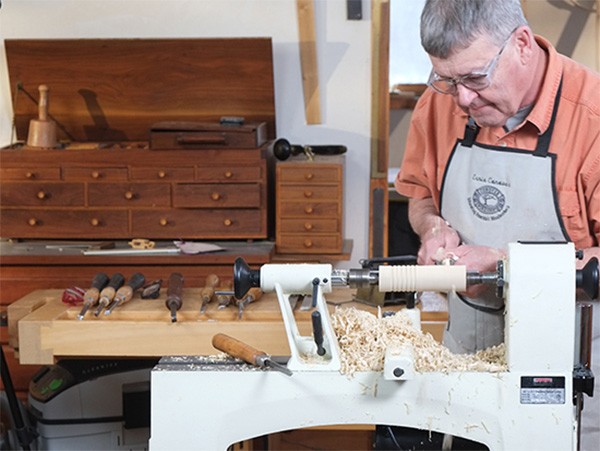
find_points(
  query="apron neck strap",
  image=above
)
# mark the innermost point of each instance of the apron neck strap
(543, 144)
(471, 131)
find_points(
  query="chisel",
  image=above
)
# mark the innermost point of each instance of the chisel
(253, 294)
(174, 295)
(223, 298)
(108, 293)
(92, 295)
(207, 293)
(125, 293)
(247, 353)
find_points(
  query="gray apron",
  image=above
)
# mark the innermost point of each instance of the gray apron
(492, 196)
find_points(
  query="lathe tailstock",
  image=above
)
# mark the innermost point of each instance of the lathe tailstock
(199, 403)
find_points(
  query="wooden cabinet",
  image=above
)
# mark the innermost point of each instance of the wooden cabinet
(84, 194)
(309, 205)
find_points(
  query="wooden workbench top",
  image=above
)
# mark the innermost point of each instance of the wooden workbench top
(42, 328)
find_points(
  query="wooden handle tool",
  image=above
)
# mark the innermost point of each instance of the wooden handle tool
(225, 299)
(247, 353)
(125, 293)
(207, 293)
(253, 294)
(174, 295)
(92, 295)
(108, 293)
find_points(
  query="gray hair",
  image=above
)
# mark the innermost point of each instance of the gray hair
(448, 25)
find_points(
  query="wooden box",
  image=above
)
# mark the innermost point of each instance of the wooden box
(105, 180)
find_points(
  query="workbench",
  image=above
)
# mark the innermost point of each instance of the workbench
(42, 328)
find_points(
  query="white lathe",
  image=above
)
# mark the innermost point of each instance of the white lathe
(199, 404)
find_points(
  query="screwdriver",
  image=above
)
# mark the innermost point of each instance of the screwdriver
(93, 293)
(125, 293)
(174, 295)
(253, 294)
(223, 298)
(207, 293)
(247, 353)
(107, 294)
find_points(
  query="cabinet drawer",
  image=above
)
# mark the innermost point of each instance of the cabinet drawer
(229, 174)
(309, 226)
(308, 175)
(309, 210)
(20, 174)
(171, 174)
(129, 194)
(198, 223)
(309, 192)
(216, 195)
(42, 195)
(95, 174)
(94, 224)
(316, 244)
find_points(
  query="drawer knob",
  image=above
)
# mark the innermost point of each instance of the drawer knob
(308, 176)
(163, 222)
(308, 193)
(215, 196)
(308, 243)
(227, 222)
(228, 175)
(128, 195)
(32, 222)
(308, 226)
(41, 195)
(308, 209)
(95, 175)
(94, 222)
(161, 174)
(30, 175)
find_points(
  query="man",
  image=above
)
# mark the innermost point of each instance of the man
(503, 147)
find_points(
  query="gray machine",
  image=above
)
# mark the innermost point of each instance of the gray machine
(91, 405)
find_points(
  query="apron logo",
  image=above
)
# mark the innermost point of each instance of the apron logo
(488, 203)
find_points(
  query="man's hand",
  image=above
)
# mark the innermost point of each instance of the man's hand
(480, 259)
(435, 234)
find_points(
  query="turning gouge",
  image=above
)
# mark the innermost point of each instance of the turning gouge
(174, 294)
(247, 353)
(92, 295)
(125, 293)
(108, 293)
(208, 291)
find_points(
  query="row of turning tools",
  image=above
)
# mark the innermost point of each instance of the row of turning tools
(105, 294)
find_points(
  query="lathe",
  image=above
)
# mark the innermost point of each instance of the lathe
(207, 403)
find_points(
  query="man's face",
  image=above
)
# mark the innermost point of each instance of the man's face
(494, 105)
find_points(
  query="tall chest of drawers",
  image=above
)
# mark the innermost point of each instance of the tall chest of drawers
(134, 192)
(309, 205)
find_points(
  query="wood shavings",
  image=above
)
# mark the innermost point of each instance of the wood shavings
(363, 339)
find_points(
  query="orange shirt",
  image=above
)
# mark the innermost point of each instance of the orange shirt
(437, 123)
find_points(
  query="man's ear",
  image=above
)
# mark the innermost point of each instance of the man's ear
(524, 43)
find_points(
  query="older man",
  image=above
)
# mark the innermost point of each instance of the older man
(504, 146)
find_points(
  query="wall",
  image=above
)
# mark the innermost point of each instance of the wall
(344, 58)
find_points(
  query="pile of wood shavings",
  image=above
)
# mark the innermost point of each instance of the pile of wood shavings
(363, 339)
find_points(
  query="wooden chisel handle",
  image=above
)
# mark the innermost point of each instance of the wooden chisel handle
(93, 293)
(236, 348)
(212, 281)
(125, 293)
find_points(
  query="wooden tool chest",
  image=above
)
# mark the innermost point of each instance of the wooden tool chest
(119, 194)
(309, 205)
(144, 150)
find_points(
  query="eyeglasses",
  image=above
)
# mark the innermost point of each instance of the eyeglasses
(475, 81)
